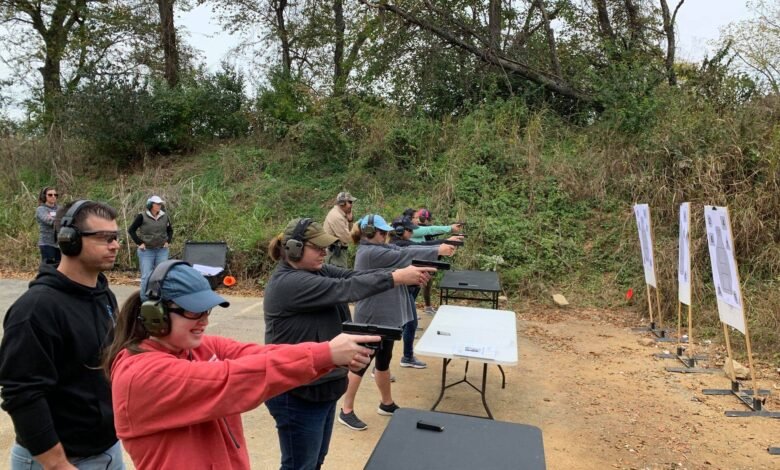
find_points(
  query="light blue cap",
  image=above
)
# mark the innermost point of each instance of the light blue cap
(379, 222)
(188, 289)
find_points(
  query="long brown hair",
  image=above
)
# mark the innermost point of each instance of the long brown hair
(275, 248)
(129, 332)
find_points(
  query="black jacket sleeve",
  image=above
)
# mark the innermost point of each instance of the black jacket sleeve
(139, 219)
(25, 383)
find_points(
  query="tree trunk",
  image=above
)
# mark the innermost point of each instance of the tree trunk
(284, 37)
(605, 27)
(494, 25)
(339, 81)
(671, 42)
(634, 26)
(550, 34)
(52, 86)
(168, 40)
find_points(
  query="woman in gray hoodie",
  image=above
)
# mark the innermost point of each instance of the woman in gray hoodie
(45, 215)
(392, 308)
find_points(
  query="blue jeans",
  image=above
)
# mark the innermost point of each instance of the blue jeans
(304, 429)
(410, 328)
(148, 259)
(110, 459)
(50, 254)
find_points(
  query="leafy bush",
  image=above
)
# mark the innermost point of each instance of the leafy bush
(127, 120)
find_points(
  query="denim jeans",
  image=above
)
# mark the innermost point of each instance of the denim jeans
(304, 429)
(50, 254)
(110, 459)
(148, 259)
(410, 328)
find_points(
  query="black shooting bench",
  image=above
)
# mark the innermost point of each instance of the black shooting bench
(462, 442)
(469, 285)
(212, 254)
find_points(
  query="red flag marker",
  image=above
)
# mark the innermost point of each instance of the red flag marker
(629, 293)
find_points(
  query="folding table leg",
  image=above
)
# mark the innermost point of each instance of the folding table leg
(443, 383)
(482, 392)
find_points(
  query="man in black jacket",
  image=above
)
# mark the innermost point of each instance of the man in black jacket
(54, 334)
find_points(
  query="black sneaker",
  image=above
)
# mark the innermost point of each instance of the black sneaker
(351, 421)
(387, 410)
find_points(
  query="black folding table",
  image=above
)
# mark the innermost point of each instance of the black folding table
(469, 285)
(463, 442)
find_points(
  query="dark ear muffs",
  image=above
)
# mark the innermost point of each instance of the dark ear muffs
(69, 237)
(369, 230)
(154, 314)
(294, 246)
(399, 230)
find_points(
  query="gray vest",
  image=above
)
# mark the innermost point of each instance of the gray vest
(154, 233)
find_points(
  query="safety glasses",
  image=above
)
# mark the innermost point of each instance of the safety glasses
(105, 236)
(189, 315)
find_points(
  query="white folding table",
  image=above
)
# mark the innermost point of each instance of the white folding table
(474, 334)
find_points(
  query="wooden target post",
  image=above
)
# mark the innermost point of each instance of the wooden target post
(645, 229)
(731, 312)
(685, 282)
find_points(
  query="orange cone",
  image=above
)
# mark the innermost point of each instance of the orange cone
(229, 281)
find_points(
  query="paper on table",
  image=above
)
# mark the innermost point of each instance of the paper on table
(207, 270)
(474, 350)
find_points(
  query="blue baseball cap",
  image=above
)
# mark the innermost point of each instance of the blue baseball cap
(188, 289)
(379, 222)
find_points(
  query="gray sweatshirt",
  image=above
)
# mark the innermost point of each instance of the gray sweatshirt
(45, 216)
(392, 307)
(304, 306)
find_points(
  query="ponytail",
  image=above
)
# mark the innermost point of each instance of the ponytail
(275, 250)
(128, 334)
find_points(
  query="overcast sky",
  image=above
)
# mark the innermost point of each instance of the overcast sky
(698, 23)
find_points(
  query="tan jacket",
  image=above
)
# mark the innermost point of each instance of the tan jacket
(337, 224)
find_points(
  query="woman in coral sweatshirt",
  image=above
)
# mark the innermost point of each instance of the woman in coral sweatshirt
(178, 393)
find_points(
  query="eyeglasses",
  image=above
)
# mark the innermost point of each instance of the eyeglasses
(105, 236)
(317, 248)
(189, 315)
(52, 195)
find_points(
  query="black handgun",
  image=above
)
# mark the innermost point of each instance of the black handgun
(453, 242)
(421, 263)
(365, 329)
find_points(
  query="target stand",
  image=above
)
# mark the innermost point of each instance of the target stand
(755, 403)
(659, 332)
(688, 362)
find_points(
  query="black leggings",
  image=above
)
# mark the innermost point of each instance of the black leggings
(383, 356)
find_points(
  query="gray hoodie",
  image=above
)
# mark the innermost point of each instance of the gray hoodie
(392, 307)
(44, 215)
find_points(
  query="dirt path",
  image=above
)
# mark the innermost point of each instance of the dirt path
(600, 398)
